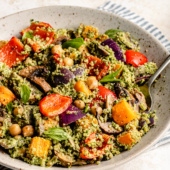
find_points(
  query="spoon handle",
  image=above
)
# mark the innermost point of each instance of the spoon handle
(160, 69)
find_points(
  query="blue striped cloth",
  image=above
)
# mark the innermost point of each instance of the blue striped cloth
(140, 21)
(125, 13)
(150, 28)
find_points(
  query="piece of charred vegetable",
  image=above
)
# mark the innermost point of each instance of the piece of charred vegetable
(63, 77)
(123, 38)
(116, 49)
(97, 49)
(71, 115)
(120, 91)
(18, 85)
(36, 74)
(66, 160)
(108, 127)
(78, 71)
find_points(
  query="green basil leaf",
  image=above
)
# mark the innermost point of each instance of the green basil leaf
(9, 107)
(27, 34)
(25, 93)
(112, 33)
(75, 43)
(57, 133)
(111, 77)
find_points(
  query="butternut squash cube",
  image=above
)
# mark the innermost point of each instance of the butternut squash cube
(80, 86)
(125, 139)
(123, 113)
(6, 95)
(39, 147)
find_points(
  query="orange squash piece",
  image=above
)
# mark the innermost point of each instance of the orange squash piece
(6, 95)
(39, 147)
(125, 139)
(80, 86)
(123, 113)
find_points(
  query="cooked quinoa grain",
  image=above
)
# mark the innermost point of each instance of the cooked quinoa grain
(72, 97)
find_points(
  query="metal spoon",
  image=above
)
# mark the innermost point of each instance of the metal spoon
(146, 87)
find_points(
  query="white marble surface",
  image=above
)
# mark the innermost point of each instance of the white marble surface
(156, 12)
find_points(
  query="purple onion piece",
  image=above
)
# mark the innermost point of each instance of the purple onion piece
(64, 78)
(116, 49)
(78, 71)
(71, 115)
(152, 121)
(141, 123)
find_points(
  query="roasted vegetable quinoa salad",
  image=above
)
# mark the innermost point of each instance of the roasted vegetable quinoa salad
(72, 97)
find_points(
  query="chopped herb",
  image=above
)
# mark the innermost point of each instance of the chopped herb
(27, 34)
(111, 77)
(112, 33)
(57, 133)
(9, 107)
(75, 43)
(25, 93)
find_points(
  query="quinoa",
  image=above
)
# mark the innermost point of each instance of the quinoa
(45, 87)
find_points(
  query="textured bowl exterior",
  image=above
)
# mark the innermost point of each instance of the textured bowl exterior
(71, 17)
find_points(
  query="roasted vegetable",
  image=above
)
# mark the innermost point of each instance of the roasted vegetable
(6, 95)
(39, 147)
(135, 58)
(123, 113)
(71, 115)
(80, 86)
(11, 53)
(63, 77)
(116, 49)
(54, 104)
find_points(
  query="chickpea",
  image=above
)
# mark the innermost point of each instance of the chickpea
(68, 61)
(18, 137)
(28, 131)
(92, 82)
(57, 49)
(18, 111)
(14, 129)
(1, 119)
(96, 110)
(80, 104)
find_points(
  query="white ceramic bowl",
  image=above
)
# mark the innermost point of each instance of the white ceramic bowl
(71, 17)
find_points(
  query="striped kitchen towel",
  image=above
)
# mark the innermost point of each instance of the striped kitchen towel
(140, 21)
(150, 28)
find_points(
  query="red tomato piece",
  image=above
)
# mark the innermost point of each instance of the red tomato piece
(40, 29)
(54, 104)
(10, 53)
(87, 152)
(95, 63)
(104, 92)
(57, 59)
(135, 58)
(34, 25)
